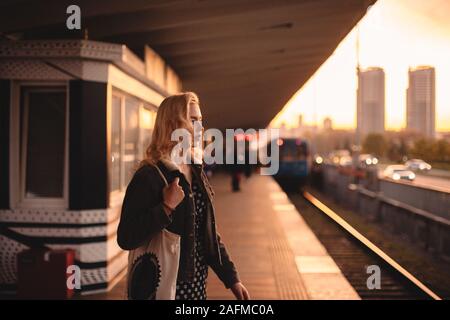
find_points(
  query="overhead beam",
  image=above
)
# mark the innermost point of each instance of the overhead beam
(17, 16)
(281, 19)
(208, 57)
(217, 64)
(241, 44)
(190, 13)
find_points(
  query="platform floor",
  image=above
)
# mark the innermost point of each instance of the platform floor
(277, 255)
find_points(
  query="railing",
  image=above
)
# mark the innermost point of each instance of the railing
(378, 202)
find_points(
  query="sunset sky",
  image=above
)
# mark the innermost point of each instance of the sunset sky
(394, 35)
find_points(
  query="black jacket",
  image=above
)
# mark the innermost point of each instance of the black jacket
(143, 215)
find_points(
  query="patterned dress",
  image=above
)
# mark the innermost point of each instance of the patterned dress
(196, 290)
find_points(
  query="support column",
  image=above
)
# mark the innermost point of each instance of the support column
(88, 178)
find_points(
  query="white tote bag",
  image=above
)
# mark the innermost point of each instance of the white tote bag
(153, 267)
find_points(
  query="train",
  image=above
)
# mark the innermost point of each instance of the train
(294, 162)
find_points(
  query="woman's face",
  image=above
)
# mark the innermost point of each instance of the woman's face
(195, 116)
(194, 112)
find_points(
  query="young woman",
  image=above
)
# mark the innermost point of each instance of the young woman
(184, 207)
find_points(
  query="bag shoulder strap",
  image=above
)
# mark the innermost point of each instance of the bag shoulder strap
(161, 174)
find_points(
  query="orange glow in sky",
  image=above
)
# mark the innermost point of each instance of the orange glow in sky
(394, 35)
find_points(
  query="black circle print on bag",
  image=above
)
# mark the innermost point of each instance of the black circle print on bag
(144, 278)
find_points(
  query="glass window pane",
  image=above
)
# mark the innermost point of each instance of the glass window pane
(45, 133)
(131, 147)
(147, 124)
(115, 143)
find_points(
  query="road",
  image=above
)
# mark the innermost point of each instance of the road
(432, 181)
(424, 180)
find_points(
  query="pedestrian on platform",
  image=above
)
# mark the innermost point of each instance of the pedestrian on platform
(176, 198)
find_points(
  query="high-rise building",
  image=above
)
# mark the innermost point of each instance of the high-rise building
(327, 124)
(370, 102)
(420, 101)
(300, 121)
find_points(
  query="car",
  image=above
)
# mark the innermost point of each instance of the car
(345, 161)
(335, 156)
(417, 165)
(318, 159)
(399, 172)
(366, 160)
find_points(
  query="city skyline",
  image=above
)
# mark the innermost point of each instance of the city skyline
(414, 33)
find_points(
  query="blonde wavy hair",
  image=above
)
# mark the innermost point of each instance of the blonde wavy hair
(173, 113)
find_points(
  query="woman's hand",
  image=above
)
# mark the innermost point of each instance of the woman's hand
(173, 194)
(240, 292)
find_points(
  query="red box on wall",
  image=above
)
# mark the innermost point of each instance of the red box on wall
(42, 274)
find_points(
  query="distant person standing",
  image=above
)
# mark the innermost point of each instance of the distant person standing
(236, 169)
(236, 176)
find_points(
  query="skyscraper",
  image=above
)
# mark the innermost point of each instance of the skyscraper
(300, 121)
(420, 101)
(327, 124)
(370, 102)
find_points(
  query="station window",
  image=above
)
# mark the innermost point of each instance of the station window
(131, 128)
(43, 146)
(147, 122)
(116, 143)
(131, 156)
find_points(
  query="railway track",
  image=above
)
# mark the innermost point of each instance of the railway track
(353, 253)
